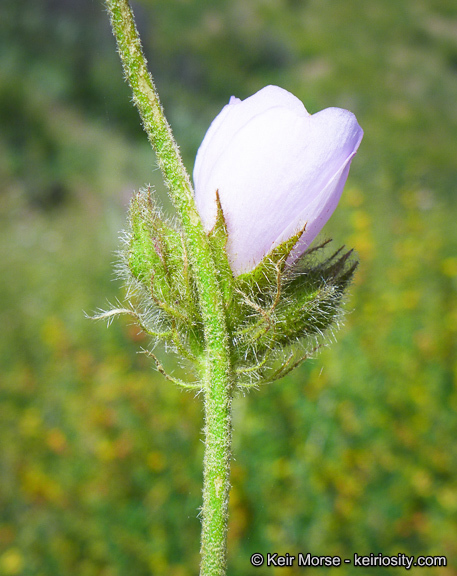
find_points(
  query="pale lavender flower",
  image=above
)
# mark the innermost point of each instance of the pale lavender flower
(277, 168)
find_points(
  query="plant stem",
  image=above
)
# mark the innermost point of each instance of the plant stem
(217, 376)
(216, 480)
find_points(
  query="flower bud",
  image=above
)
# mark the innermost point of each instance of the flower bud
(277, 170)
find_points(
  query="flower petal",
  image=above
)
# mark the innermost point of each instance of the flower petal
(276, 168)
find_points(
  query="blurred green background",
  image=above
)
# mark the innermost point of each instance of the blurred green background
(100, 456)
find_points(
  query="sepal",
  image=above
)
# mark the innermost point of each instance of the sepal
(159, 279)
(157, 258)
(287, 310)
(218, 237)
(262, 276)
(280, 311)
(276, 315)
(311, 302)
(147, 257)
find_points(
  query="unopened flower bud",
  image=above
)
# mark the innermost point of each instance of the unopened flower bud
(277, 170)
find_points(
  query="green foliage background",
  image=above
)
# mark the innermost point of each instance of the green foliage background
(355, 452)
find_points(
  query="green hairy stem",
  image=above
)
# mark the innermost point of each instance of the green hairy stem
(216, 373)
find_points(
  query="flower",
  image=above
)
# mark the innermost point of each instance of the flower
(277, 169)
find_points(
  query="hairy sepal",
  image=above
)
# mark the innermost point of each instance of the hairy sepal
(159, 274)
(278, 313)
(265, 273)
(312, 295)
(218, 237)
(147, 250)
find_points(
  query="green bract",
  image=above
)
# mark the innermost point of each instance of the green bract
(277, 314)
